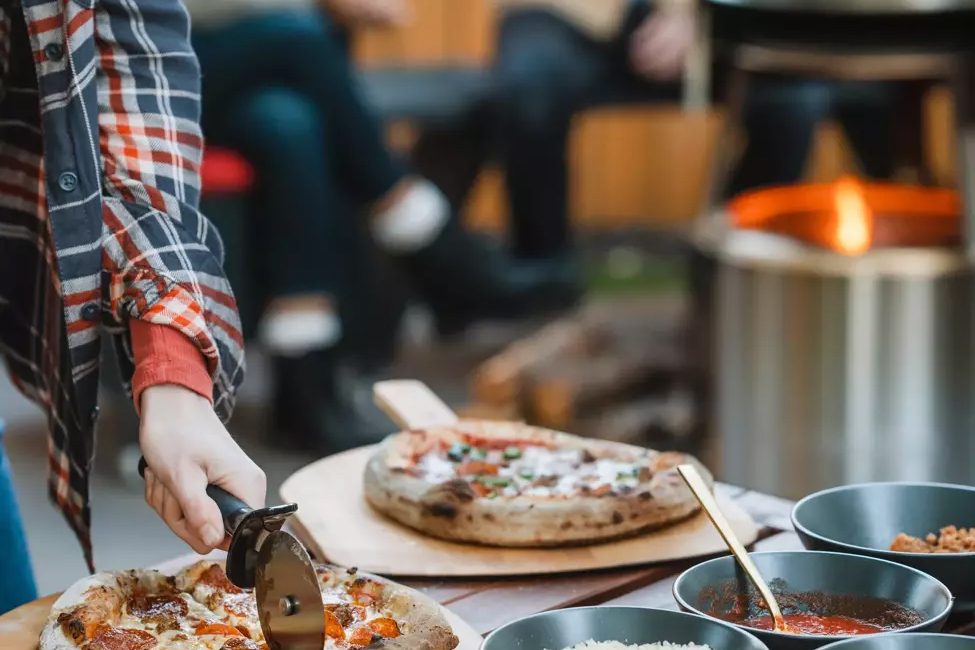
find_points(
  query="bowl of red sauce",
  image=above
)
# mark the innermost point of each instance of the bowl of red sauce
(825, 597)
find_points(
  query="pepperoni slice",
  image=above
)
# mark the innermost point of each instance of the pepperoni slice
(215, 577)
(114, 638)
(155, 607)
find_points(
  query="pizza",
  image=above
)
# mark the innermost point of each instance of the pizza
(510, 484)
(200, 609)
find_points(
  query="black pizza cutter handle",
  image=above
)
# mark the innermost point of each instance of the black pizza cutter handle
(246, 528)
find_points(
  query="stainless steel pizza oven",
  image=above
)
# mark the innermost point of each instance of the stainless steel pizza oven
(835, 323)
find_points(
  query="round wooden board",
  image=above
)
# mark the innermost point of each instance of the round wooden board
(337, 524)
(21, 628)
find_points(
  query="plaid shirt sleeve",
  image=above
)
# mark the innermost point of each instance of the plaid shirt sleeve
(162, 258)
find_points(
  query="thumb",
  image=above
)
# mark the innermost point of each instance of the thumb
(200, 511)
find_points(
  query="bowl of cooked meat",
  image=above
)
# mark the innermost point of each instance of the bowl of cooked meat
(824, 597)
(906, 642)
(928, 526)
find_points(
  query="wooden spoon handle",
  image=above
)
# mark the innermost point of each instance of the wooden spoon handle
(411, 404)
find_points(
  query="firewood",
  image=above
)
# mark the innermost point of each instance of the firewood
(656, 420)
(561, 392)
(498, 381)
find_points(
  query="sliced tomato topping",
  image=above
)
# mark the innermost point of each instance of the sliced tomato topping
(480, 489)
(384, 627)
(365, 591)
(477, 468)
(333, 629)
(362, 636)
(217, 628)
(602, 490)
(501, 444)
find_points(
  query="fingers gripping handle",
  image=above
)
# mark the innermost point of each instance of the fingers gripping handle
(247, 529)
(232, 509)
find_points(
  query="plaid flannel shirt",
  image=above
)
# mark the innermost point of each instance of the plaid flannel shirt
(100, 150)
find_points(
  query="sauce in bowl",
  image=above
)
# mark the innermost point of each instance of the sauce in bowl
(832, 625)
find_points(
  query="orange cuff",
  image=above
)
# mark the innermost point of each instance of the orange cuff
(164, 355)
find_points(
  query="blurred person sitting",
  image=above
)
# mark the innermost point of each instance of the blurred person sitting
(556, 58)
(279, 87)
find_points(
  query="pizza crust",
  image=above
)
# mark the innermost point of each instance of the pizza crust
(452, 511)
(428, 629)
(53, 636)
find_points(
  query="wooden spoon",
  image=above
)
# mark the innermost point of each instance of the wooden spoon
(700, 489)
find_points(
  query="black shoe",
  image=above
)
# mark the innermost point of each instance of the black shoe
(466, 278)
(315, 410)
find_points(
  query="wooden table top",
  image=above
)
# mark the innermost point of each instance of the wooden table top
(486, 604)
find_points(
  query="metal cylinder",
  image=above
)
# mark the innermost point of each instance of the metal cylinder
(830, 369)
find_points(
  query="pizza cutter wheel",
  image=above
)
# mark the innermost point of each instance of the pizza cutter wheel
(273, 562)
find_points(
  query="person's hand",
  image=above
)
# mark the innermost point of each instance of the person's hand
(660, 45)
(368, 13)
(186, 448)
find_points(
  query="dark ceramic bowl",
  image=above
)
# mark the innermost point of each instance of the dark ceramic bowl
(864, 519)
(906, 642)
(848, 584)
(566, 627)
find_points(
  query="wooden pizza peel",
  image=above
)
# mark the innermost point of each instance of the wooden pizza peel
(338, 525)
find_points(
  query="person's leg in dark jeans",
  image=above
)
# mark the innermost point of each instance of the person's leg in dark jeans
(868, 114)
(547, 71)
(301, 51)
(300, 237)
(779, 120)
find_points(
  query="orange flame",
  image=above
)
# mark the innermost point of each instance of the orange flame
(853, 232)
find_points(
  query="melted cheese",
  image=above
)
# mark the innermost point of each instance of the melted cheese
(183, 636)
(540, 472)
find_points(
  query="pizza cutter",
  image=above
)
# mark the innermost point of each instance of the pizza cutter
(275, 564)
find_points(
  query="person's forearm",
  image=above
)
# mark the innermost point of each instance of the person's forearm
(164, 355)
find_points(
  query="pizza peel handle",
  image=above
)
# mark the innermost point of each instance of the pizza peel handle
(411, 404)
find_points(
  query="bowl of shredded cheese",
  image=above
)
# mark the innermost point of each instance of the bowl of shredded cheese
(619, 628)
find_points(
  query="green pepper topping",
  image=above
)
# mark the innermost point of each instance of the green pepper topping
(526, 474)
(494, 481)
(478, 454)
(493, 494)
(456, 452)
(633, 473)
(512, 453)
